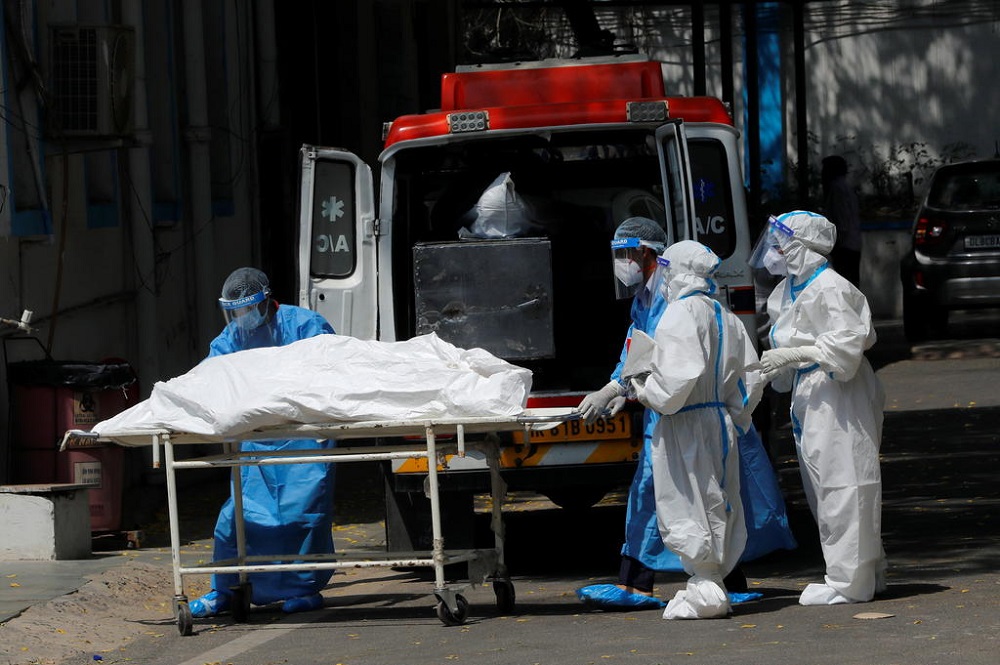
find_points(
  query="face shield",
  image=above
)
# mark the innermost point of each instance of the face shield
(662, 278)
(245, 314)
(627, 259)
(768, 253)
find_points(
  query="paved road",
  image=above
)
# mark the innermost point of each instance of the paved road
(941, 458)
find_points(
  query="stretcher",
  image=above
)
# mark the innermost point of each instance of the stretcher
(378, 441)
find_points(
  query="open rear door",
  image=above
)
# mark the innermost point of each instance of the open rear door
(710, 208)
(337, 236)
(675, 171)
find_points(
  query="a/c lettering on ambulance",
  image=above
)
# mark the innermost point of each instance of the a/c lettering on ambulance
(326, 243)
(716, 225)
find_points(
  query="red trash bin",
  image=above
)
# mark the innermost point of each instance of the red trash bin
(50, 397)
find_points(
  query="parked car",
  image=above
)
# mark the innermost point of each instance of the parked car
(954, 262)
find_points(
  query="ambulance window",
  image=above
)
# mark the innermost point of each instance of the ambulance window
(333, 215)
(713, 203)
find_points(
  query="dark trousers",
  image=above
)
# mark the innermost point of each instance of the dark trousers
(634, 574)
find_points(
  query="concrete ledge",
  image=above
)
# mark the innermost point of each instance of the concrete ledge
(44, 522)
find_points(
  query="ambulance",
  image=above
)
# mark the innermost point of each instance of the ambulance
(571, 148)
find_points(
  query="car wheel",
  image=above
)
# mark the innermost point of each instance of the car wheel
(914, 319)
(937, 322)
(922, 320)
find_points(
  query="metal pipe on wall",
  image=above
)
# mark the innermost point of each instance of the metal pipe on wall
(140, 202)
(197, 134)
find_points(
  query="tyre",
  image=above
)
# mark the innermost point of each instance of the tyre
(923, 320)
(576, 498)
(450, 618)
(241, 602)
(504, 591)
(184, 622)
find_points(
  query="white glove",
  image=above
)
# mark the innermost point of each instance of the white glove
(638, 388)
(615, 405)
(773, 360)
(593, 405)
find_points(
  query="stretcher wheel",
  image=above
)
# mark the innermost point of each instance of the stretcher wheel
(241, 602)
(504, 591)
(184, 623)
(453, 619)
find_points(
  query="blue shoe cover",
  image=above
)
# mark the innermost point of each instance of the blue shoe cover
(209, 605)
(737, 598)
(609, 596)
(302, 604)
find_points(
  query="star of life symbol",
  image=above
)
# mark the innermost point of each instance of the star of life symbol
(333, 208)
(705, 190)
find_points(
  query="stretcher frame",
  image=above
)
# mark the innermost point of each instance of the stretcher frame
(452, 607)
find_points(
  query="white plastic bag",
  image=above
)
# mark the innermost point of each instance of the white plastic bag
(330, 378)
(499, 213)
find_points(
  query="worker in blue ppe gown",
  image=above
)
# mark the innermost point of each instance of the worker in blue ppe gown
(288, 508)
(821, 327)
(697, 381)
(637, 242)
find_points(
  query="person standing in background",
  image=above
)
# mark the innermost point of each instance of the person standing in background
(841, 204)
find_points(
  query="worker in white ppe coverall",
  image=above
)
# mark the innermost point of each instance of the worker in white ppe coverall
(821, 327)
(637, 242)
(697, 383)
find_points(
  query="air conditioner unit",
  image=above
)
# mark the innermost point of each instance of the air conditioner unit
(92, 80)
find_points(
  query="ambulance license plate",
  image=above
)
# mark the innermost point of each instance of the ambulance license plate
(618, 427)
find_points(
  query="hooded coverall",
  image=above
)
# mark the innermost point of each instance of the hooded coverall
(287, 507)
(698, 385)
(836, 409)
(763, 504)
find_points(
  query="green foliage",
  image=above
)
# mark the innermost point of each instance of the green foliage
(890, 180)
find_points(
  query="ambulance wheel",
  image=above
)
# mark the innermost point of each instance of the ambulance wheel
(504, 591)
(453, 619)
(576, 499)
(184, 623)
(241, 602)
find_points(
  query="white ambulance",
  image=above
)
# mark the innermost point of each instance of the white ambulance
(580, 146)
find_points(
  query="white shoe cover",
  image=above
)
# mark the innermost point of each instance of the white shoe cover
(881, 586)
(702, 599)
(821, 594)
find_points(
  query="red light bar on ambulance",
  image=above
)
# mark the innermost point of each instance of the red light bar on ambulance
(608, 111)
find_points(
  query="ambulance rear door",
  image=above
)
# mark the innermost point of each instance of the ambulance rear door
(705, 201)
(720, 213)
(337, 274)
(678, 201)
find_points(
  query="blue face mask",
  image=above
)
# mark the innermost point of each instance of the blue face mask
(251, 320)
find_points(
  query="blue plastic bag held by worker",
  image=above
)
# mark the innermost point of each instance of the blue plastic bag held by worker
(696, 381)
(288, 508)
(643, 552)
(822, 326)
